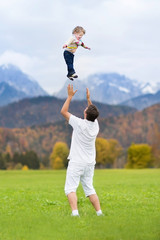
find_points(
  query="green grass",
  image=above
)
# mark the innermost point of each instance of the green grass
(33, 206)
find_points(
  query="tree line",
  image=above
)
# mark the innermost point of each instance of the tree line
(109, 154)
(27, 160)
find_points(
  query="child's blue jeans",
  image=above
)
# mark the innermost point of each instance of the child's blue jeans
(69, 58)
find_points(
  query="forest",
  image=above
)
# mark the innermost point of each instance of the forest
(117, 134)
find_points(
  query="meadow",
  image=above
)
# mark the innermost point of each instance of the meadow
(33, 206)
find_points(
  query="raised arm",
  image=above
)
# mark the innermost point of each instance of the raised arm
(88, 97)
(65, 107)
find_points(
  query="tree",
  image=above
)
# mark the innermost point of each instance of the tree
(107, 152)
(156, 145)
(114, 153)
(17, 157)
(31, 159)
(139, 156)
(8, 160)
(25, 168)
(18, 166)
(58, 163)
(61, 151)
(2, 162)
(9, 150)
(101, 151)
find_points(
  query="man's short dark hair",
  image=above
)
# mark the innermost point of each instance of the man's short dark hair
(92, 113)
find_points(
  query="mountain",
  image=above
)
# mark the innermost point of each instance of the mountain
(111, 88)
(9, 94)
(139, 127)
(143, 101)
(17, 85)
(43, 110)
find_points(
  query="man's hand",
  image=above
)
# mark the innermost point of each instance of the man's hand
(88, 96)
(71, 92)
(64, 111)
(87, 93)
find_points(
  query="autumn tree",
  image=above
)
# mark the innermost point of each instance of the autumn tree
(156, 145)
(101, 151)
(58, 163)
(107, 152)
(60, 151)
(139, 156)
(114, 153)
(9, 150)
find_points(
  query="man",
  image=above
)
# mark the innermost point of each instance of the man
(82, 153)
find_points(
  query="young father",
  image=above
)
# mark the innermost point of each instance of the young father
(82, 153)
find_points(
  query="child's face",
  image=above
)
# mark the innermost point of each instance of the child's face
(79, 35)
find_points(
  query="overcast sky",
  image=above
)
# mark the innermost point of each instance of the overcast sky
(123, 35)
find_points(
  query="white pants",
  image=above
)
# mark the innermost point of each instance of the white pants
(77, 173)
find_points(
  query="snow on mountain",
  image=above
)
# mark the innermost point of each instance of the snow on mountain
(150, 87)
(124, 89)
(111, 88)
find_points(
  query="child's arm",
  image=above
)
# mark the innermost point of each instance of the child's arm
(80, 43)
(85, 46)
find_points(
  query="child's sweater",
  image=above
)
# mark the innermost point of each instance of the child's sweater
(73, 43)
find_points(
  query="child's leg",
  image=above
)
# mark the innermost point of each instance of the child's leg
(69, 58)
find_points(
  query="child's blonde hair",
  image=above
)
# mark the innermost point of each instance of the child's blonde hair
(78, 29)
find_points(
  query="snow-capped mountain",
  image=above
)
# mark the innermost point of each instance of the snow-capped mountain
(15, 85)
(109, 88)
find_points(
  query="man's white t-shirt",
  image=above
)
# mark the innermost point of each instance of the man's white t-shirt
(84, 135)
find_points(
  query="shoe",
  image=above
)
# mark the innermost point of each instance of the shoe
(101, 214)
(74, 75)
(77, 215)
(71, 78)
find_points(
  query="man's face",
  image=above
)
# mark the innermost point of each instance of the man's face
(85, 114)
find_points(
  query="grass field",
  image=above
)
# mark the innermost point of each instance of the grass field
(33, 206)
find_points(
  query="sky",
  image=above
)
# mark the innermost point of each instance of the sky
(123, 35)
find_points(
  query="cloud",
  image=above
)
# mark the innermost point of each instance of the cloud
(21, 60)
(123, 36)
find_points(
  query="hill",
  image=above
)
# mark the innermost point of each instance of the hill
(43, 110)
(138, 127)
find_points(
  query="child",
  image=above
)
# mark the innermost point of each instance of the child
(71, 47)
